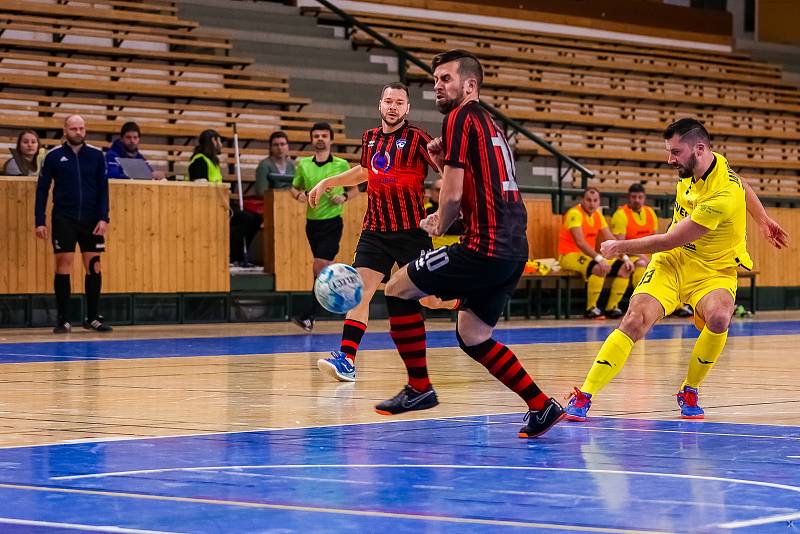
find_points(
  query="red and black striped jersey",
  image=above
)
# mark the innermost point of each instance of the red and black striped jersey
(491, 203)
(397, 163)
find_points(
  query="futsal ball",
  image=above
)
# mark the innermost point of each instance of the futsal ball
(338, 288)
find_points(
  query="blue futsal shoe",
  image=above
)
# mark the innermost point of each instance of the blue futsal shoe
(687, 400)
(578, 406)
(338, 367)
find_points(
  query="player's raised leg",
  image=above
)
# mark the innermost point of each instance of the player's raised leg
(341, 363)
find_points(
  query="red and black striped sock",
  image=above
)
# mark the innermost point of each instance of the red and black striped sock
(407, 328)
(352, 332)
(504, 366)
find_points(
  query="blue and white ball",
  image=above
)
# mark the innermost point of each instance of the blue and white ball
(338, 288)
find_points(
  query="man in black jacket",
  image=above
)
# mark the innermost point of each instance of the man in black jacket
(80, 215)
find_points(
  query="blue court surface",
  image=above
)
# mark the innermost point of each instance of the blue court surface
(459, 474)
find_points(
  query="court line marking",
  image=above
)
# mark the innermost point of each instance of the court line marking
(464, 418)
(772, 485)
(76, 526)
(766, 520)
(339, 511)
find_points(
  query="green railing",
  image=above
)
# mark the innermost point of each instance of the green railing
(564, 163)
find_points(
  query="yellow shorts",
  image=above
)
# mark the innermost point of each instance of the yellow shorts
(575, 261)
(674, 278)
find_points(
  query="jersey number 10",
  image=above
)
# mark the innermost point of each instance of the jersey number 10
(508, 159)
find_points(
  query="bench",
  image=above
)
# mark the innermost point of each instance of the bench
(532, 284)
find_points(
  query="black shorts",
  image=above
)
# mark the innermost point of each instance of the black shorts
(379, 251)
(483, 284)
(67, 232)
(324, 236)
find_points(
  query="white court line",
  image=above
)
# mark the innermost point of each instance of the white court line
(75, 526)
(772, 485)
(766, 520)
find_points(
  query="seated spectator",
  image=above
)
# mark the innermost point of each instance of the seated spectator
(204, 164)
(26, 157)
(277, 170)
(127, 146)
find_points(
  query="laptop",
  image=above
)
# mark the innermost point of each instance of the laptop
(135, 168)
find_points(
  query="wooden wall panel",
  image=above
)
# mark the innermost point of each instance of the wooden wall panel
(286, 250)
(147, 252)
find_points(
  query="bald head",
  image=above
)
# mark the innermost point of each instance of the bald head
(74, 130)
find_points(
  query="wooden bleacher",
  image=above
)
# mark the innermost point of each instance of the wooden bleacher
(606, 102)
(113, 61)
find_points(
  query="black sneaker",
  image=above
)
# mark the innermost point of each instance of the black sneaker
(594, 313)
(62, 327)
(541, 421)
(305, 322)
(683, 311)
(613, 313)
(407, 400)
(97, 324)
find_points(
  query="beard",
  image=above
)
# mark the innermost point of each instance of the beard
(390, 123)
(688, 170)
(449, 104)
(75, 141)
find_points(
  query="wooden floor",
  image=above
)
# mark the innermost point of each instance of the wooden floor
(109, 390)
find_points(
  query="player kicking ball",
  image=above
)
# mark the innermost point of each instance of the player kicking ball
(695, 262)
(477, 180)
(394, 163)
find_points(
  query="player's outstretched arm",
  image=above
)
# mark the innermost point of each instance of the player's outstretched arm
(769, 228)
(680, 234)
(351, 177)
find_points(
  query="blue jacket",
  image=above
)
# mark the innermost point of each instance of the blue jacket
(117, 150)
(81, 186)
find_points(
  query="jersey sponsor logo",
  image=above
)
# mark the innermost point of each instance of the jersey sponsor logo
(400, 143)
(371, 144)
(381, 162)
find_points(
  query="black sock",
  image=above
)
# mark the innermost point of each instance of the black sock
(92, 283)
(312, 311)
(62, 288)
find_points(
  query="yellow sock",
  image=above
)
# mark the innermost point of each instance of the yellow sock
(618, 287)
(706, 351)
(594, 286)
(638, 273)
(609, 361)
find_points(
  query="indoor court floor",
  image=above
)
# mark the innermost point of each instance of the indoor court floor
(231, 428)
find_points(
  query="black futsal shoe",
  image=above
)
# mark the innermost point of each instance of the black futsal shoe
(613, 313)
(98, 324)
(62, 327)
(594, 313)
(542, 420)
(407, 400)
(306, 322)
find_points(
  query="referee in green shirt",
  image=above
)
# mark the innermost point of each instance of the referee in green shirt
(324, 223)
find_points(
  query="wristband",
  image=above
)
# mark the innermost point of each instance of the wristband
(625, 257)
(599, 258)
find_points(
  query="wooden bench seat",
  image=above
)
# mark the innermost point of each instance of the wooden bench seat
(32, 64)
(385, 21)
(80, 86)
(58, 30)
(72, 11)
(609, 64)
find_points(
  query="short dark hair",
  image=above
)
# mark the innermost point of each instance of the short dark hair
(129, 127)
(636, 188)
(321, 126)
(396, 85)
(468, 64)
(589, 190)
(280, 134)
(689, 130)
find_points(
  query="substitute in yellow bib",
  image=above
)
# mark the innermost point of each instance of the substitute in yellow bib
(634, 220)
(694, 262)
(577, 242)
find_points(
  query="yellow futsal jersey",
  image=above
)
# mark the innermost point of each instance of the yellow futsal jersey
(716, 201)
